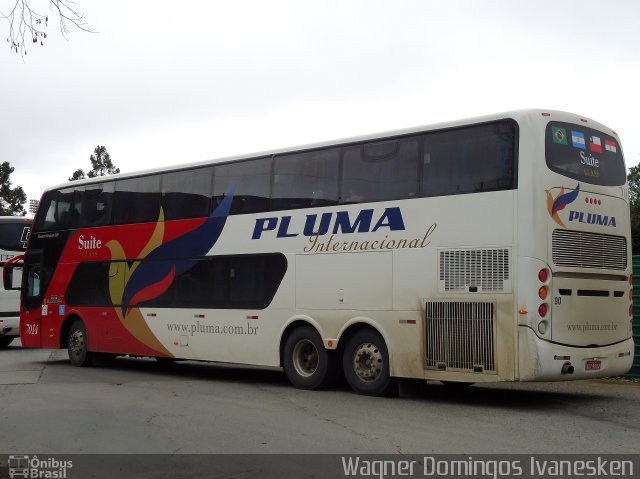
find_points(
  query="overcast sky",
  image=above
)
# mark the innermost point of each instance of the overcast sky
(170, 82)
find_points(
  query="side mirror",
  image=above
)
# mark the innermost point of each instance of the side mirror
(12, 273)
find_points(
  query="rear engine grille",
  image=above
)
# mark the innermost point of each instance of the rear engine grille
(578, 249)
(460, 336)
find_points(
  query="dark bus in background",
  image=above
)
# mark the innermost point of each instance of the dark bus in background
(14, 234)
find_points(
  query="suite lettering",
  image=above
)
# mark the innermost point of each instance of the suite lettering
(592, 219)
(591, 165)
(91, 243)
(341, 222)
(589, 160)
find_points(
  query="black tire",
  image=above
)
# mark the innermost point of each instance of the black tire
(78, 345)
(365, 361)
(6, 341)
(306, 361)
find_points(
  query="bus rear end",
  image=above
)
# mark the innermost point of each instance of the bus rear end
(575, 264)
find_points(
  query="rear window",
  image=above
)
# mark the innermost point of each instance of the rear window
(584, 154)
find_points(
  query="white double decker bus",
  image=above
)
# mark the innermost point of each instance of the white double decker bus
(483, 250)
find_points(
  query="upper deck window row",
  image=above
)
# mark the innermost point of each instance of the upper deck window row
(473, 159)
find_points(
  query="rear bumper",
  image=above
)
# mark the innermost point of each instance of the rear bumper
(545, 361)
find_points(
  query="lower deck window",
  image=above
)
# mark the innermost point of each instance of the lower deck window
(217, 282)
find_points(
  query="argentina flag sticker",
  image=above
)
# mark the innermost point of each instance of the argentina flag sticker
(577, 139)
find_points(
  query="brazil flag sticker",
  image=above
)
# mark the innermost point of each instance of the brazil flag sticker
(559, 135)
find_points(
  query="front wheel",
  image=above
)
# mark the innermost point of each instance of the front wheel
(5, 341)
(78, 346)
(366, 363)
(306, 361)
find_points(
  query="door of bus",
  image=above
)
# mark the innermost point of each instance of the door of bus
(32, 306)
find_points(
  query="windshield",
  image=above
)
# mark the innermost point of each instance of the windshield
(584, 154)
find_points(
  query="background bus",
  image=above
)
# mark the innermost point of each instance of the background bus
(14, 234)
(482, 250)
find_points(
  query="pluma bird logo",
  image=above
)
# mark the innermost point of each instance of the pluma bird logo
(557, 204)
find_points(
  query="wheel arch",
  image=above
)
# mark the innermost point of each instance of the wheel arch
(290, 326)
(66, 326)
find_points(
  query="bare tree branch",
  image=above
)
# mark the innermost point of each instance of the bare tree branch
(27, 26)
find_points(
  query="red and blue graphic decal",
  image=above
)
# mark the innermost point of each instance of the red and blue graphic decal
(557, 204)
(155, 273)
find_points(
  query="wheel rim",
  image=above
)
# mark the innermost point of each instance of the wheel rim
(305, 358)
(76, 343)
(368, 362)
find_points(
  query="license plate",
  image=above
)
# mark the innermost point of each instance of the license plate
(593, 365)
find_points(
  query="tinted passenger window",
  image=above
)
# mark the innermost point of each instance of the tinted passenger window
(304, 180)
(380, 171)
(186, 194)
(56, 211)
(93, 204)
(218, 282)
(137, 200)
(89, 285)
(225, 282)
(206, 284)
(251, 181)
(469, 160)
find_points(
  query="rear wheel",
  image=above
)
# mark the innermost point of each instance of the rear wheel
(5, 341)
(307, 363)
(77, 345)
(366, 363)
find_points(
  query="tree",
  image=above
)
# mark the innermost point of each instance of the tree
(101, 165)
(634, 202)
(11, 199)
(27, 26)
(78, 175)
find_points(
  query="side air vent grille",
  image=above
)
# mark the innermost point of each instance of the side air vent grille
(484, 270)
(460, 336)
(578, 249)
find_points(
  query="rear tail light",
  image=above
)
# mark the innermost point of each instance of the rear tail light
(543, 309)
(543, 275)
(543, 294)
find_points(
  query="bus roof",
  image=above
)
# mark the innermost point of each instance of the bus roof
(514, 114)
